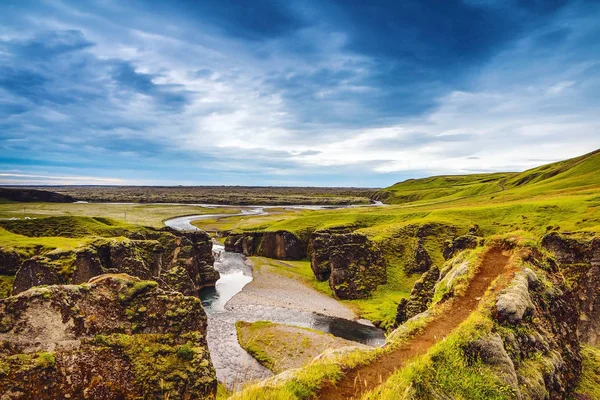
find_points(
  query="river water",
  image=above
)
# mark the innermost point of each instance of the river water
(234, 366)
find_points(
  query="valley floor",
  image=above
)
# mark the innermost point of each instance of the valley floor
(271, 289)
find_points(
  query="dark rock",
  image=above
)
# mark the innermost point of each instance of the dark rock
(152, 258)
(10, 261)
(114, 338)
(579, 261)
(420, 297)
(353, 264)
(87, 265)
(453, 247)
(233, 243)
(29, 195)
(36, 272)
(282, 245)
(319, 255)
(422, 259)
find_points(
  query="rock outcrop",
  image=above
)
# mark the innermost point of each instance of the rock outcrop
(10, 261)
(178, 261)
(116, 337)
(539, 334)
(469, 241)
(579, 261)
(420, 297)
(352, 263)
(282, 245)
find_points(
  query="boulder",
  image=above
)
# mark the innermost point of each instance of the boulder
(514, 303)
(116, 337)
(490, 350)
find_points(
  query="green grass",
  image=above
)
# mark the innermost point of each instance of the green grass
(303, 383)
(6, 283)
(446, 371)
(562, 196)
(589, 381)
(140, 214)
(252, 339)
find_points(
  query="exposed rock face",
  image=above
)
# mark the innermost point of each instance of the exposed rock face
(490, 350)
(579, 260)
(10, 261)
(540, 338)
(282, 245)
(469, 241)
(353, 264)
(114, 338)
(451, 248)
(179, 261)
(514, 303)
(420, 297)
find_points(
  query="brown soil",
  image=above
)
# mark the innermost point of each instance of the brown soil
(367, 377)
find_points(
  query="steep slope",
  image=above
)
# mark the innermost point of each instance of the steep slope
(446, 187)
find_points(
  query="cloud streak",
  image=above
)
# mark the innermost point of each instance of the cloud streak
(336, 93)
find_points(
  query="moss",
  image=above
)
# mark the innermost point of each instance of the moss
(589, 381)
(447, 370)
(254, 343)
(137, 289)
(45, 360)
(163, 363)
(6, 284)
(186, 351)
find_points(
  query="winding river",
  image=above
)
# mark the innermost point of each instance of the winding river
(234, 365)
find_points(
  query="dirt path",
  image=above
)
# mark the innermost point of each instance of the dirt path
(363, 379)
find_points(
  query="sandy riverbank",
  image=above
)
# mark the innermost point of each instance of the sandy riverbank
(271, 289)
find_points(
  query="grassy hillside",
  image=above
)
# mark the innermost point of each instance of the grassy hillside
(563, 196)
(446, 187)
(576, 174)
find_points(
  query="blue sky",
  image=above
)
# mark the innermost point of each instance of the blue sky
(307, 92)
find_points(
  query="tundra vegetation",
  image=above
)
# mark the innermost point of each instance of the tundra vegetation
(505, 267)
(235, 195)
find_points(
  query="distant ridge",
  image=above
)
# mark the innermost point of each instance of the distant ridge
(33, 195)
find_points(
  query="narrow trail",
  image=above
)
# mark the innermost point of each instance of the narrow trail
(367, 377)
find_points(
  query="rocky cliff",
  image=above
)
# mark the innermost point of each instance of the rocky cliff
(352, 263)
(283, 245)
(178, 261)
(116, 337)
(521, 343)
(579, 260)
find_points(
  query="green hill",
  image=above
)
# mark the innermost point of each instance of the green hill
(580, 173)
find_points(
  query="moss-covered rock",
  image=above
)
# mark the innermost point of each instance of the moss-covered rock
(115, 337)
(353, 264)
(420, 296)
(179, 261)
(579, 261)
(281, 245)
